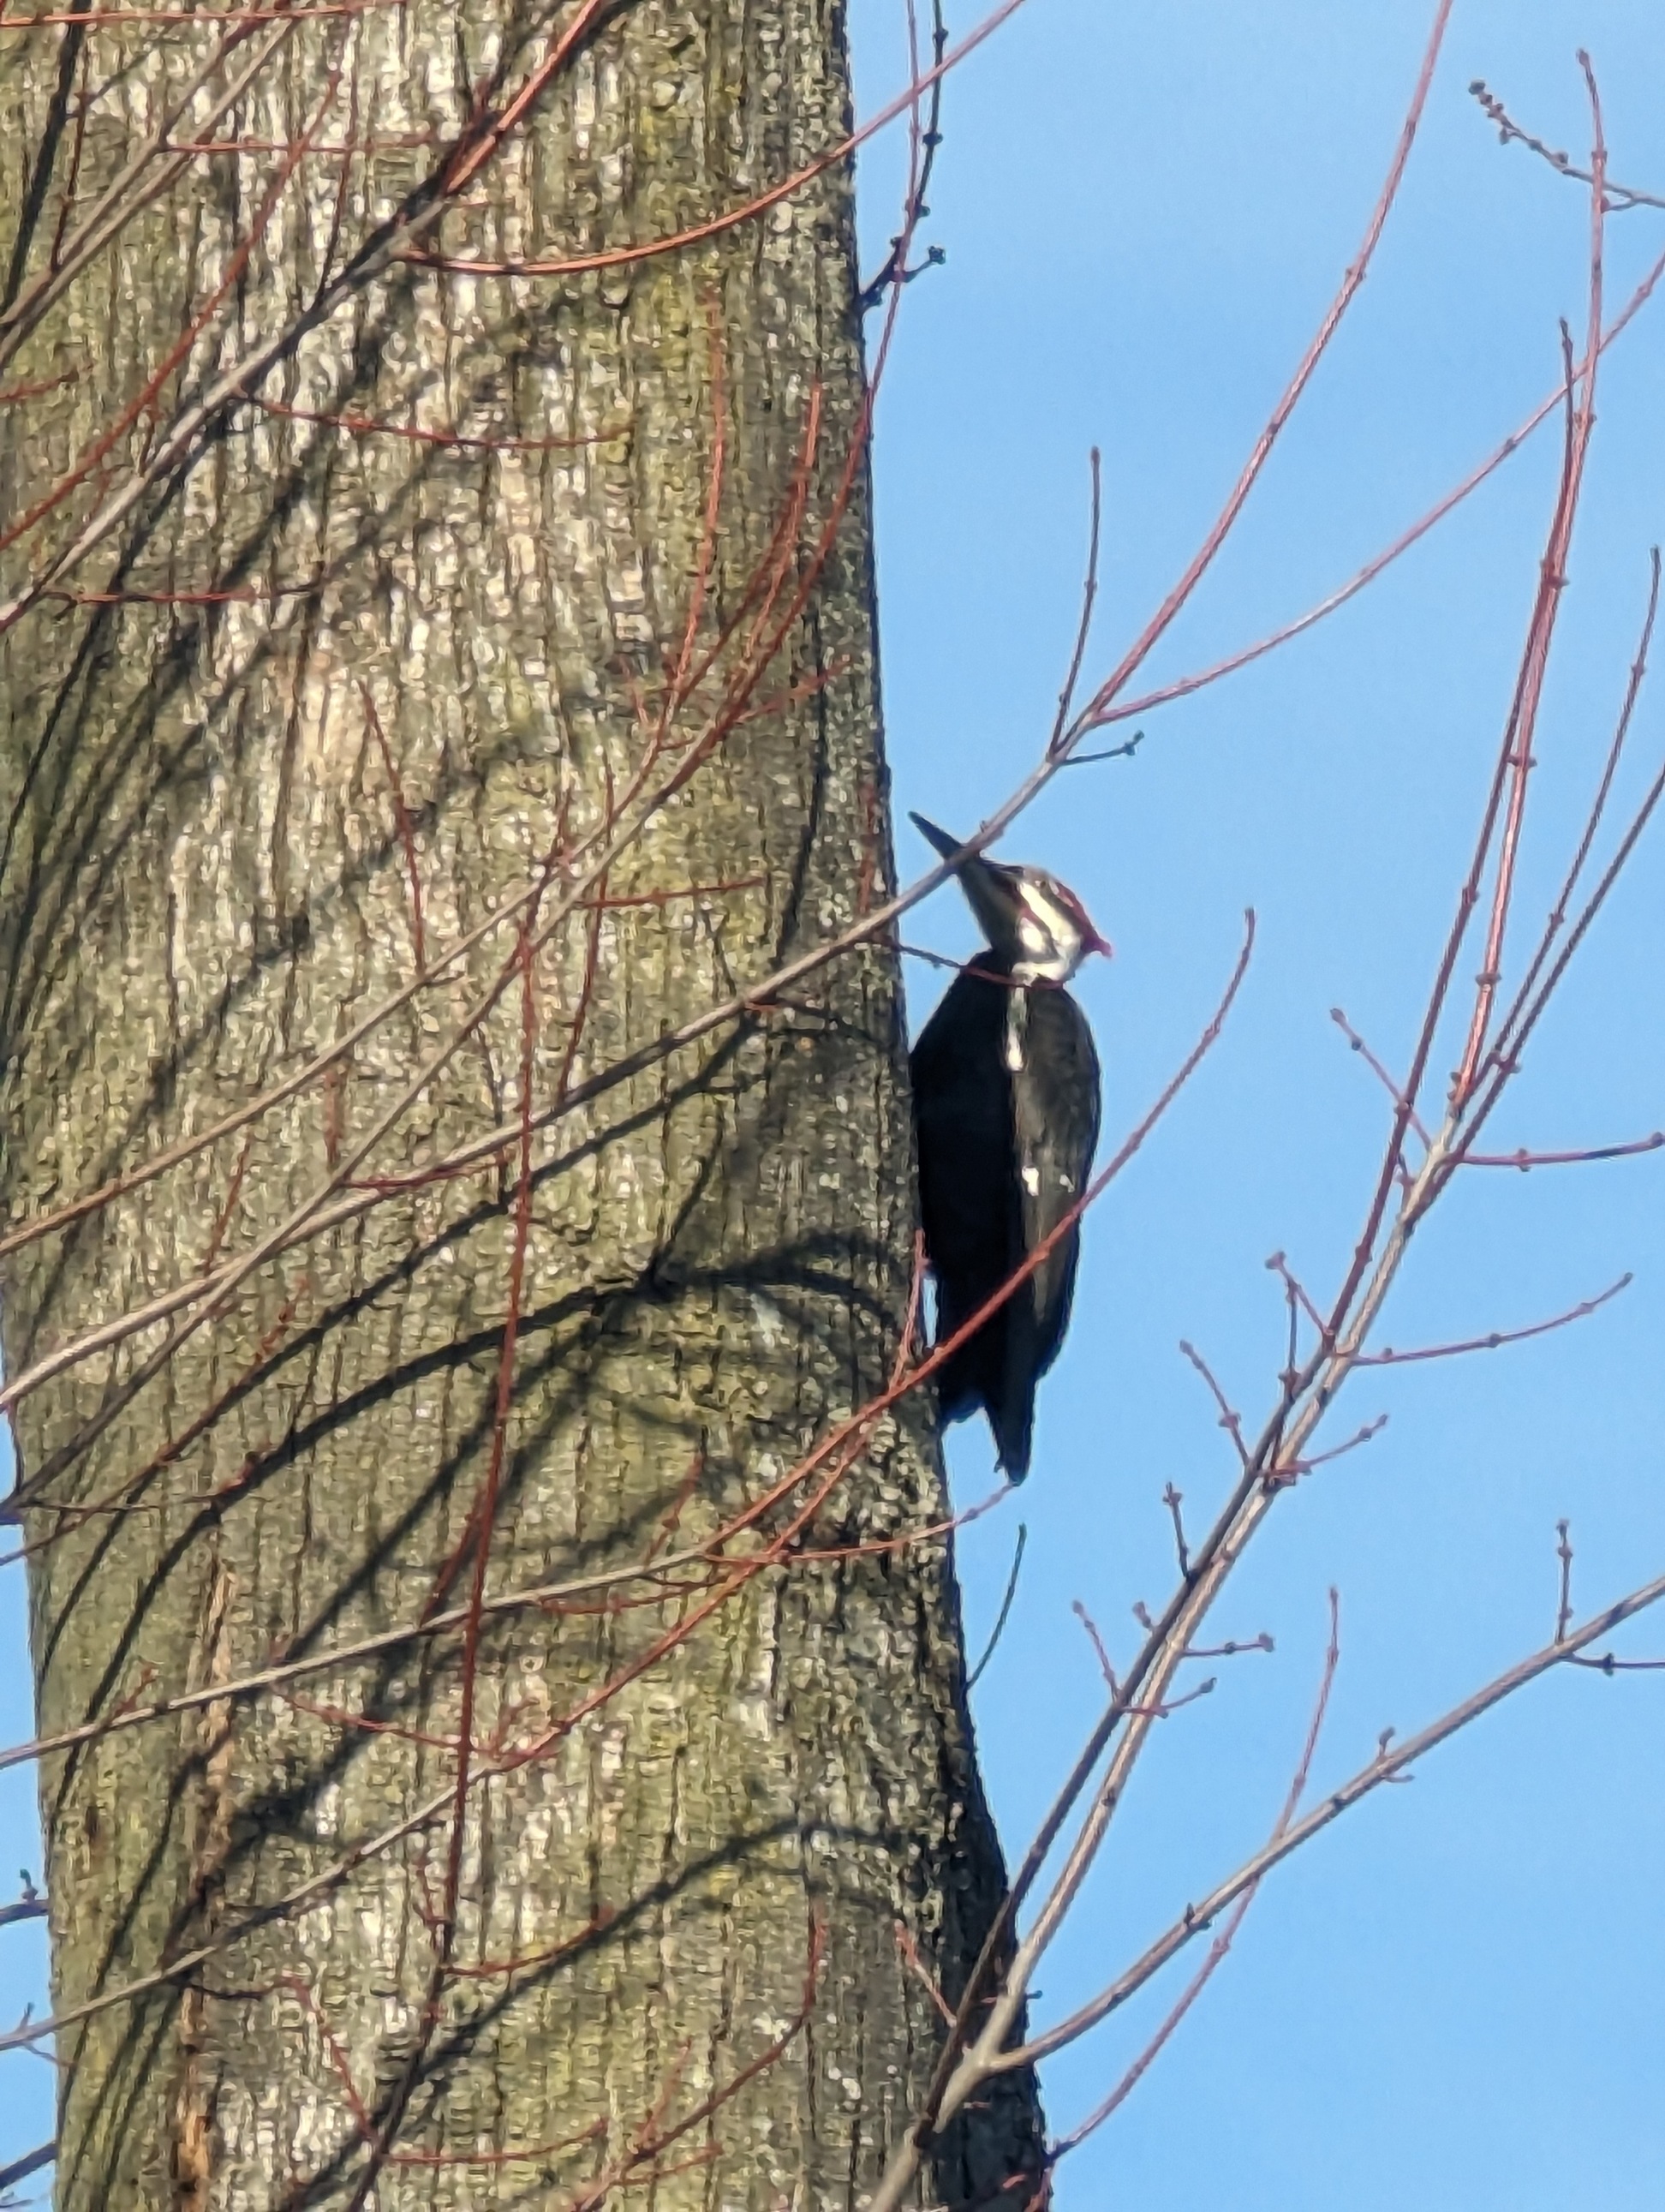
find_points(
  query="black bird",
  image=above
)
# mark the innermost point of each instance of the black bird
(1006, 1108)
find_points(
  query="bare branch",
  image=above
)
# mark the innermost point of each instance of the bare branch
(1094, 712)
(1617, 196)
(1083, 627)
(1387, 1358)
(1387, 1767)
(1223, 1942)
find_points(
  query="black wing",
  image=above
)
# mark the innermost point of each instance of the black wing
(1055, 1108)
(973, 1226)
(1006, 1104)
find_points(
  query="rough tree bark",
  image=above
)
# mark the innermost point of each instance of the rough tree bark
(206, 881)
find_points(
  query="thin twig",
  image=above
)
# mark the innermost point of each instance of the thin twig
(1098, 1643)
(1618, 198)
(1183, 687)
(1231, 1419)
(1523, 717)
(1564, 1553)
(1388, 1358)
(1110, 691)
(1173, 1500)
(971, 1679)
(1083, 627)
(923, 146)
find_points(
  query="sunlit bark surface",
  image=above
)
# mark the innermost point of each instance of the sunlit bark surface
(205, 880)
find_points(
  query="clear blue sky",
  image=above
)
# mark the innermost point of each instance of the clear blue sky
(1457, 1996)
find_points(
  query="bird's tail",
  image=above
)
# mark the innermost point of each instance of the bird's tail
(984, 1373)
(1013, 1420)
(959, 1384)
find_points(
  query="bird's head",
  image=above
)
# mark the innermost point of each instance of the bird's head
(1036, 926)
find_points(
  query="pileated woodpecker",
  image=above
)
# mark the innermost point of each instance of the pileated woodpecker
(1006, 1108)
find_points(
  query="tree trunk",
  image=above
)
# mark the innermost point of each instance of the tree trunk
(319, 662)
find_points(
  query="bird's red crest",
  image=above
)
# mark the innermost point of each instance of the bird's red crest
(1090, 937)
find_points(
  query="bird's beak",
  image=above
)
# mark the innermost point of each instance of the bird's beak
(987, 886)
(945, 844)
